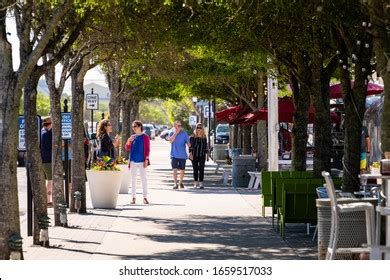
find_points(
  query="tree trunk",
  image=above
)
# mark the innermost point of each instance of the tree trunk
(254, 138)
(9, 108)
(234, 140)
(113, 75)
(246, 140)
(261, 126)
(134, 114)
(9, 210)
(322, 124)
(78, 160)
(239, 136)
(58, 176)
(34, 161)
(301, 98)
(354, 103)
(126, 126)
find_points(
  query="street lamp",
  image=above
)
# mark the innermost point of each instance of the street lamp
(44, 223)
(63, 216)
(15, 246)
(77, 201)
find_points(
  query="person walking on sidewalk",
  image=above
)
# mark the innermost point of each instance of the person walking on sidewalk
(198, 154)
(138, 145)
(46, 149)
(178, 139)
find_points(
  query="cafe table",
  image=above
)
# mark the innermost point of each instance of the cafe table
(386, 190)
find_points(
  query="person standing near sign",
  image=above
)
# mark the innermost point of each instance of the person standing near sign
(46, 151)
(107, 145)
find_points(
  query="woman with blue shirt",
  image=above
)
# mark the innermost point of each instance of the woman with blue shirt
(138, 145)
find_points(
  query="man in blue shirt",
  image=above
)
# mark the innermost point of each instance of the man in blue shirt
(178, 139)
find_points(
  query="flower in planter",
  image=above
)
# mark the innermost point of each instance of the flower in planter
(105, 164)
(376, 164)
(122, 160)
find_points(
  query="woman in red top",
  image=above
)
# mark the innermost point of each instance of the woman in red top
(138, 146)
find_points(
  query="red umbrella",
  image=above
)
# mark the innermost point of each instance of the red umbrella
(286, 113)
(335, 91)
(231, 114)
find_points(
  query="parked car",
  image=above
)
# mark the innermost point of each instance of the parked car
(222, 132)
(150, 131)
(164, 134)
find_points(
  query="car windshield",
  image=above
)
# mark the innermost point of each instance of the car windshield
(147, 128)
(223, 128)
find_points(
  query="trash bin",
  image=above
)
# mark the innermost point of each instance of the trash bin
(234, 152)
(219, 151)
(241, 164)
(352, 232)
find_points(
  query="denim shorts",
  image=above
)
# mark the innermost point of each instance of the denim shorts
(178, 163)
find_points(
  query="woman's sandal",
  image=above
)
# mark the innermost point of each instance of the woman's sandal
(146, 201)
(133, 201)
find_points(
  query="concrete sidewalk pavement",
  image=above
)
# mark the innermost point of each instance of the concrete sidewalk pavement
(214, 223)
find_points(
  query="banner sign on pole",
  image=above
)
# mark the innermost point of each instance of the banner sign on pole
(193, 119)
(206, 111)
(66, 126)
(22, 133)
(92, 101)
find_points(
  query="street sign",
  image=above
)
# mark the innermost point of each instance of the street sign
(202, 103)
(92, 101)
(193, 119)
(206, 111)
(66, 126)
(22, 133)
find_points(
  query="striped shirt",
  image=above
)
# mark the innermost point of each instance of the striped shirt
(198, 146)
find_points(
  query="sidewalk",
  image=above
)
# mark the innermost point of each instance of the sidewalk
(215, 223)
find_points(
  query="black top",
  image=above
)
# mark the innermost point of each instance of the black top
(46, 144)
(106, 147)
(198, 146)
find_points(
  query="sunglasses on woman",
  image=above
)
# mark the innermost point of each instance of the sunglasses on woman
(199, 127)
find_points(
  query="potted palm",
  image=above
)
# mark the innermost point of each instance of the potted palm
(123, 165)
(104, 180)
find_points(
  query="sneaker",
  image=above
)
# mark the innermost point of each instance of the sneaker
(181, 185)
(195, 184)
(200, 185)
(176, 187)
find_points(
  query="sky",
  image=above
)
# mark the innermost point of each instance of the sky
(94, 75)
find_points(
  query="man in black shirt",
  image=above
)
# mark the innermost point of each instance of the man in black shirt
(46, 148)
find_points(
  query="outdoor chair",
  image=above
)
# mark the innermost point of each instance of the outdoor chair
(336, 210)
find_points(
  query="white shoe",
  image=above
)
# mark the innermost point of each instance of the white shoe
(201, 185)
(196, 184)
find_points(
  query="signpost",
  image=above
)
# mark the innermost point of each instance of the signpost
(92, 103)
(66, 132)
(22, 148)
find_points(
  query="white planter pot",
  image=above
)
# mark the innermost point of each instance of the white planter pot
(126, 178)
(104, 188)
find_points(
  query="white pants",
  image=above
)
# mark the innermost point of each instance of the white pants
(134, 166)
